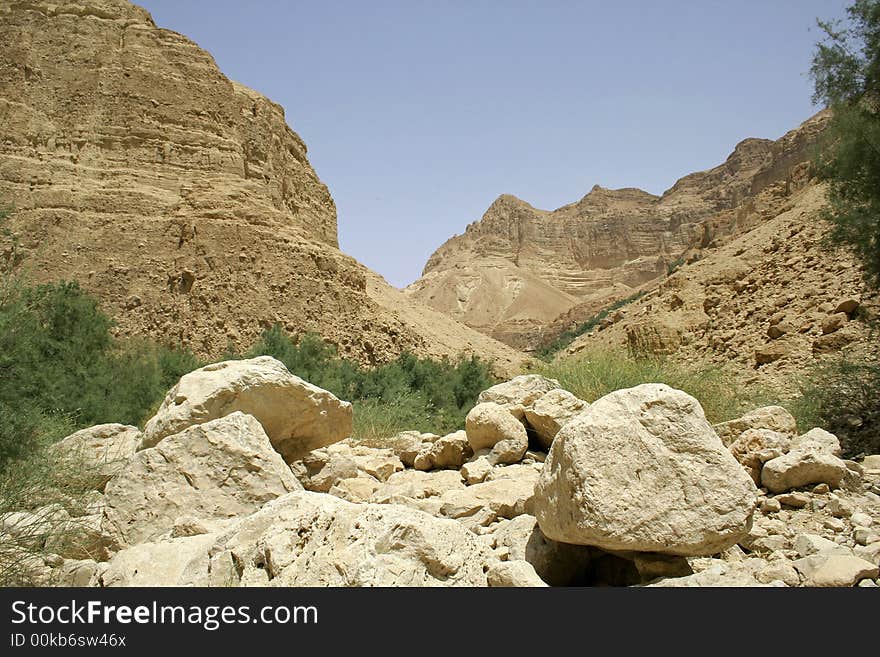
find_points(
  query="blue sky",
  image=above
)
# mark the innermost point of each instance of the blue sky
(418, 114)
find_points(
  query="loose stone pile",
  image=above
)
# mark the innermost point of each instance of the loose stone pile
(246, 477)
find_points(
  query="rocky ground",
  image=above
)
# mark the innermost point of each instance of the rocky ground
(245, 477)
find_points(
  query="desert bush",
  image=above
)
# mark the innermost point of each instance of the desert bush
(846, 76)
(61, 366)
(603, 371)
(842, 397)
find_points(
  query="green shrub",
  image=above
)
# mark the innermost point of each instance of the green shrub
(672, 267)
(60, 366)
(602, 372)
(842, 397)
(846, 76)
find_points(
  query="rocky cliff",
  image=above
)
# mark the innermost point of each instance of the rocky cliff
(771, 302)
(516, 270)
(180, 198)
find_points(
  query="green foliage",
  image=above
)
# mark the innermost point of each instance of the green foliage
(547, 351)
(842, 397)
(61, 369)
(602, 372)
(407, 393)
(846, 75)
(672, 267)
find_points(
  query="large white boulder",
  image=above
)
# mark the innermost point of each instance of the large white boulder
(211, 472)
(311, 539)
(642, 470)
(296, 415)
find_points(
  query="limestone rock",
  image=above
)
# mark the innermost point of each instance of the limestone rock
(356, 489)
(329, 471)
(216, 471)
(550, 412)
(378, 463)
(774, 418)
(414, 484)
(517, 573)
(642, 470)
(79, 573)
(176, 562)
(756, 446)
(310, 539)
(720, 574)
(488, 423)
(818, 439)
(505, 498)
(519, 392)
(450, 451)
(407, 445)
(834, 570)
(801, 467)
(809, 544)
(475, 471)
(782, 571)
(297, 416)
(558, 564)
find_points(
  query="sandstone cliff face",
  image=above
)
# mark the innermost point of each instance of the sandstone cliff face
(770, 303)
(518, 269)
(182, 199)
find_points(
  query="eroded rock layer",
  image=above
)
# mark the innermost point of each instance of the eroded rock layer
(522, 274)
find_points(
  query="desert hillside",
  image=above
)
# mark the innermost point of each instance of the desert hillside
(771, 302)
(180, 198)
(522, 275)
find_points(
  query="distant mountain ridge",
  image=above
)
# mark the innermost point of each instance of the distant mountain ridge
(518, 269)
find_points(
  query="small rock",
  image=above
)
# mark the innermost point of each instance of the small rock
(840, 508)
(801, 467)
(782, 571)
(834, 323)
(770, 505)
(834, 570)
(517, 573)
(865, 536)
(476, 470)
(834, 524)
(809, 544)
(848, 305)
(794, 500)
(861, 519)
